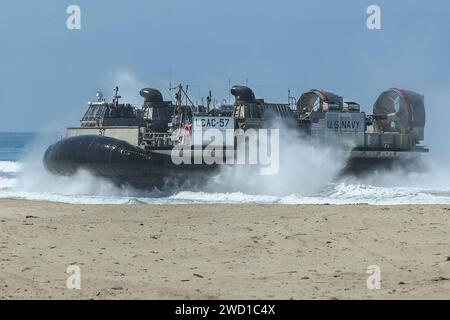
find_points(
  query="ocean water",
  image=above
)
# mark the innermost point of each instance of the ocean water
(311, 179)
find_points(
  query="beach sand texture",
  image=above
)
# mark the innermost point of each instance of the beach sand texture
(223, 251)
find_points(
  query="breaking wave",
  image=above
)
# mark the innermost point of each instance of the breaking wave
(310, 178)
(9, 167)
(17, 182)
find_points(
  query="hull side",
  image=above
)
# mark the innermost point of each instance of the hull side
(123, 163)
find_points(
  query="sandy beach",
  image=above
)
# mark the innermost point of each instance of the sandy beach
(223, 251)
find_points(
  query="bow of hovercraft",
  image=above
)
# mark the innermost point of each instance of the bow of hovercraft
(106, 157)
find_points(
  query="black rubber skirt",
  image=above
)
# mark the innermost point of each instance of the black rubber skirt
(119, 161)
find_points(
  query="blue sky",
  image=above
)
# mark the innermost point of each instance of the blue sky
(48, 73)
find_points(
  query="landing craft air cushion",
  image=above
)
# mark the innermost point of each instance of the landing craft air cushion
(134, 144)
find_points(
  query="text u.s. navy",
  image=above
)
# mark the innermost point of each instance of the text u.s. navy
(347, 124)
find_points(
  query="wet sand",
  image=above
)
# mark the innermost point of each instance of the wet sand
(223, 251)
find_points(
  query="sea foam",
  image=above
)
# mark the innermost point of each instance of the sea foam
(22, 181)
